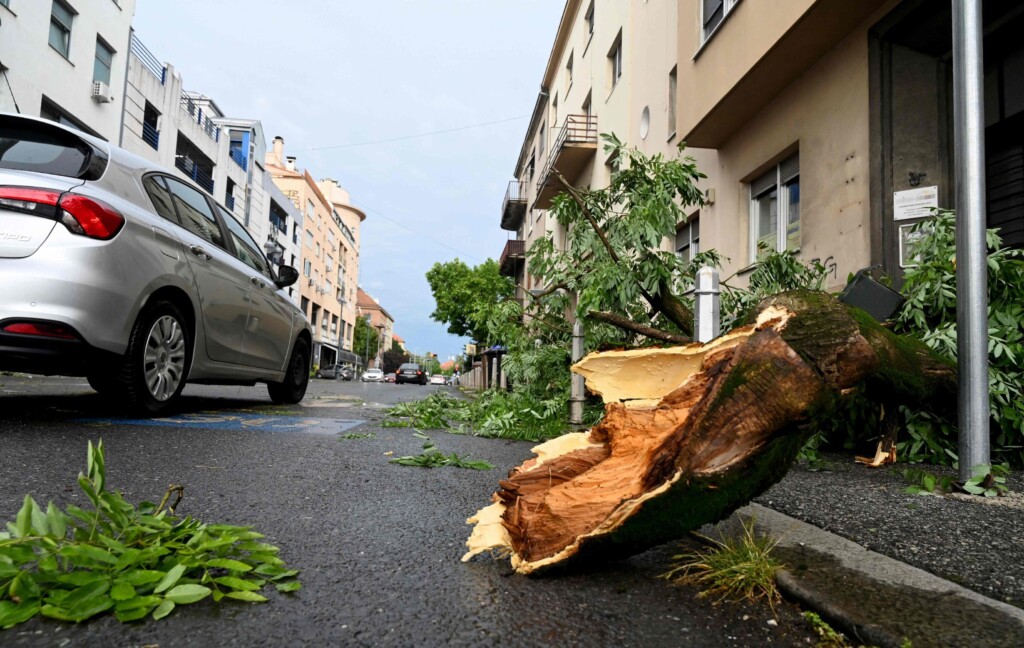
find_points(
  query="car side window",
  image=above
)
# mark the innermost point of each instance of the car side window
(195, 212)
(245, 248)
(160, 197)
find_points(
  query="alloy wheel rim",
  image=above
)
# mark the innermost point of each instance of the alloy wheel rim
(164, 364)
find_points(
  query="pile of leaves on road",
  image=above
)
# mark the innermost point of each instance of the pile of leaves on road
(432, 457)
(492, 413)
(135, 561)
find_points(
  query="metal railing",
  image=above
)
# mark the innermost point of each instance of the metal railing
(577, 129)
(195, 111)
(150, 135)
(278, 222)
(514, 249)
(201, 177)
(229, 202)
(239, 158)
(516, 193)
(148, 60)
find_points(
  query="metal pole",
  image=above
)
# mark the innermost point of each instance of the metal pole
(708, 305)
(971, 279)
(576, 397)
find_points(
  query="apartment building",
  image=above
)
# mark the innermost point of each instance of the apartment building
(319, 238)
(188, 133)
(833, 124)
(66, 60)
(345, 252)
(612, 69)
(378, 318)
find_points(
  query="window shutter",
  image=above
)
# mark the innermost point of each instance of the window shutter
(790, 168)
(763, 184)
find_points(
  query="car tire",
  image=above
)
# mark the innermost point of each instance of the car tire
(158, 359)
(291, 390)
(319, 375)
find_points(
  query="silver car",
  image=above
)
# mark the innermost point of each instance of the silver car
(114, 269)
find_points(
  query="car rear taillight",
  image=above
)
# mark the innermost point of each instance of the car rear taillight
(82, 215)
(43, 329)
(90, 217)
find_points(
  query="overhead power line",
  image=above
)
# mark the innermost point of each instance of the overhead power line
(471, 255)
(414, 136)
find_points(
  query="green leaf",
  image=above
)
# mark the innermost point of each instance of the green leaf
(23, 520)
(190, 593)
(55, 612)
(163, 610)
(238, 583)
(81, 595)
(122, 591)
(11, 613)
(227, 563)
(131, 614)
(83, 553)
(56, 520)
(170, 578)
(289, 586)
(251, 597)
(140, 577)
(89, 608)
(146, 602)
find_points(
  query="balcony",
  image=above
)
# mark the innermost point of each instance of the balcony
(149, 62)
(201, 176)
(513, 208)
(229, 200)
(196, 114)
(571, 151)
(239, 158)
(512, 257)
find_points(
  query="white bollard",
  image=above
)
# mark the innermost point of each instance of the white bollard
(576, 397)
(707, 308)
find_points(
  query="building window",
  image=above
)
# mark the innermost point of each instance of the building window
(104, 61)
(568, 74)
(6, 3)
(554, 111)
(61, 17)
(589, 19)
(531, 166)
(615, 61)
(713, 12)
(774, 199)
(587, 107)
(688, 239)
(672, 103)
(309, 238)
(151, 125)
(543, 138)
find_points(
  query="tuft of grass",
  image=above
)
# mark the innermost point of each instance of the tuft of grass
(357, 435)
(740, 568)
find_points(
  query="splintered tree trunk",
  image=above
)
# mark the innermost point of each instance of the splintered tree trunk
(692, 433)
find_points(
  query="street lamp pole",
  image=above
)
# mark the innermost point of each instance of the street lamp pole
(341, 334)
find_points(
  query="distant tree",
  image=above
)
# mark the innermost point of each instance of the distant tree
(466, 297)
(395, 346)
(364, 340)
(393, 359)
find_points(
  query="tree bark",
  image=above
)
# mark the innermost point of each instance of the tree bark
(692, 433)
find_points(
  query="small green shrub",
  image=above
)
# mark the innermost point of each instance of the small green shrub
(733, 568)
(136, 561)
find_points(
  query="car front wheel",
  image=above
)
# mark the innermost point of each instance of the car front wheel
(157, 361)
(291, 390)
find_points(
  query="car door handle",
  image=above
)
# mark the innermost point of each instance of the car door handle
(256, 281)
(200, 252)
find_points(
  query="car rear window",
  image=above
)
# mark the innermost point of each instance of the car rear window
(409, 365)
(33, 146)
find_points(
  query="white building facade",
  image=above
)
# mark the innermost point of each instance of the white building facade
(66, 60)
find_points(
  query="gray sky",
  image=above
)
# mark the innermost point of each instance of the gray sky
(335, 73)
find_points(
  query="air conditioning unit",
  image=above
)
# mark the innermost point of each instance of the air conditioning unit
(101, 92)
(310, 282)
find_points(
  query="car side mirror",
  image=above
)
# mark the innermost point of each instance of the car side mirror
(286, 276)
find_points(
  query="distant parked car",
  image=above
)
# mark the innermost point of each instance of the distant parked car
(115, 269)
(336, 371)
(389, 377)
(437, 379)
(410, 372)
(373, 375)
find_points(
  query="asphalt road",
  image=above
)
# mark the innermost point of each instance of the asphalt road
(378, 544)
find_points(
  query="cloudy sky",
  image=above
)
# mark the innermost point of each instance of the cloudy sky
(334, 78)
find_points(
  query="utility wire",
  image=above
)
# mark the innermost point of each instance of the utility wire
(408, 137)
(475, 256)
(10, 89)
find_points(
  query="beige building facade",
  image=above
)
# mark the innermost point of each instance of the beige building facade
(817, 122)
(319, 239)
(348, 220)
(378, 318)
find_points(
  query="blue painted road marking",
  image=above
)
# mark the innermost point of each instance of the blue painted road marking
(238, 421)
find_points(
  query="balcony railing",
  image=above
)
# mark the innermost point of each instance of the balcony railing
(229, 202)
(150, 135)
(512, 257)
(239, 158)
(572, 149)
(277, 221)
(150, 62)
(195, 112)
(513, 208)
(201, 177)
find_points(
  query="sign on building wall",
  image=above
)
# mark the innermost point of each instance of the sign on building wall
(914, 203)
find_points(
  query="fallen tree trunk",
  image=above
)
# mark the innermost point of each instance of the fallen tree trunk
(692, 433)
